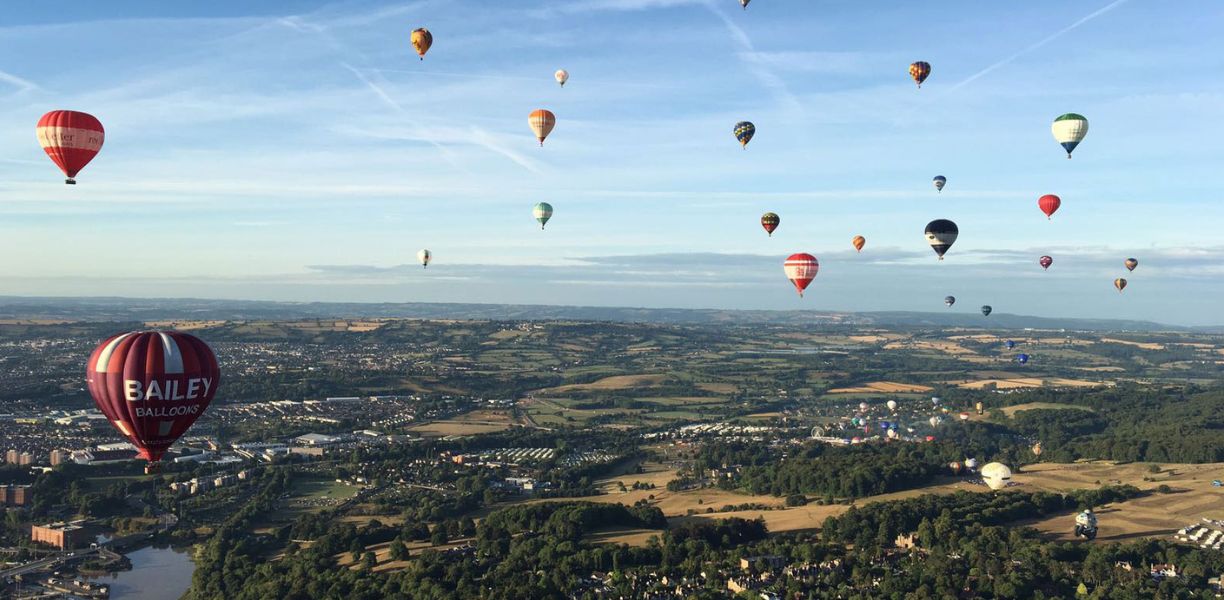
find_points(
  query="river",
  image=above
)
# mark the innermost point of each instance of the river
(157, 574)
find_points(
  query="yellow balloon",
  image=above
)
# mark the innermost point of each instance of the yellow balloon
(421, 40)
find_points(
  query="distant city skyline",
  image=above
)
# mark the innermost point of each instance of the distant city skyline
(299, 151)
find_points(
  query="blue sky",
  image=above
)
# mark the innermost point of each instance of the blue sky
(300, 151)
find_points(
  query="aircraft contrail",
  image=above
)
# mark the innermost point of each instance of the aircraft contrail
(1039, 44)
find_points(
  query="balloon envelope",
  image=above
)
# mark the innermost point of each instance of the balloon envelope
(561, 76)
(1010, 344)
(421, 41)
(1045, 262)
(424, 256)
(542, 213)
(152, 385)
(801, 269)
(996, 475)
(1120, 284)
(919, 71)
(858, 242)
(1131, 264)
(770, 222)
(941, 234)
(940, 181)
(986, 310)
(1069, 130)
(744, 130)
(892, 404)
(542, 123)
(1049, 204)
(1022, 359)
(949, 300)
(71, 139)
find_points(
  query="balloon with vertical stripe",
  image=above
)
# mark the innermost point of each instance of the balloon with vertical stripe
(801, 269)
(542, 213)
(542, 123)
(152, 385)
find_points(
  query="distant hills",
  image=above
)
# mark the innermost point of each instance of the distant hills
(145, 309)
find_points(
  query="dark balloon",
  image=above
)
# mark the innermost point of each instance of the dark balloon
(1022, 359)
(1010, 344)
(1045, 262)
(986, 310)
(941, 234)
(949, 300)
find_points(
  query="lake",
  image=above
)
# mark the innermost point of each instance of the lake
(157, 574)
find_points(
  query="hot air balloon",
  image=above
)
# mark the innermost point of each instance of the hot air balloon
(949, 301)
(1022, 359)
(930, 438)
(421, 40)
(885, 425)
(955, 466)
(1131, 264)
(986, 310)
(863, 406)
(1069, 130)
(979, 407)
(964, 416)
(542, 123)
(892, 405)
(1049, 204)
(935, 400)
(424, 256)
(770, 222)
(856, 440)
(919, 72)
(1120, 284)
(152, 385)
(71, 139)
(970, 463)
(1086, 525)
(1045, 262)
(940, 182)
(1010, 344)
(935, 421)
(941, 234)
(996, 475)
(744, 130)
(858, 242)
(744, 4)
(801, 269)
(561, 76)
(1037, 449)
(542, 213)
(892, 434)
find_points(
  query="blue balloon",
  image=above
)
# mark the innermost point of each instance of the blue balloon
(1022, 359)
(1010, 344)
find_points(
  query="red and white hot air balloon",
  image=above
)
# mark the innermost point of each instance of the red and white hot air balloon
(542, 123)
(801, 269)
(1045, 262)
(152, 385)
(1048, 204)
(71, 139)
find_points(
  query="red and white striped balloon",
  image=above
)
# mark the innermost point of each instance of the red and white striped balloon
(801, 269)
(153, 385)
(71, 139)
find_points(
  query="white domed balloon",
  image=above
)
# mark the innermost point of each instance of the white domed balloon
(996, 475)
(892, 405)
(971, 463)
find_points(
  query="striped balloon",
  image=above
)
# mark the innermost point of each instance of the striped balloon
(919, 71)
(1120, 284)
(858, 242)
(801, 269)
(542, 123)
(941, 234)
(744, 130)
(152, 385)
(1069, 130)
(542, 213)
(770, 222)
(71, 139)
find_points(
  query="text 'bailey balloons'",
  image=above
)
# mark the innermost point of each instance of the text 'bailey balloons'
(919, 71)
(1049, 204)
(770, 222)
(1069, 130)
(561, 76)
(424, 256)
(1131, 263)
(986, 310)
(744, 130)
(1022, 359)
(542, 123)
(801, 269)
(941, 234)
(1045, 262)
(542, 213)
(71, 139)
(1010, 344)
(940, 181)
(1120, 284)
(152, 385)
(858, 242)
(949, 301)
(421, 40)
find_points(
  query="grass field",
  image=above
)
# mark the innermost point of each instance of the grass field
(475, 422)
(1011, 410)
(884, 387)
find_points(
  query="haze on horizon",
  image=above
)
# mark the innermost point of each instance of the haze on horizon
(300, 151)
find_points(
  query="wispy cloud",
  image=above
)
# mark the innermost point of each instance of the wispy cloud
(22, 85)
(1040, 43)
(759, 69)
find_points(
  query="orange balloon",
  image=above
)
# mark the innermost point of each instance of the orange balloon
(421, 40)
(542, 123)
(858, 242)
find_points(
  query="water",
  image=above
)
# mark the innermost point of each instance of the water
(157, 574)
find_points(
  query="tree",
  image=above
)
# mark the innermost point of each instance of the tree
(369, 561)
(398, 551)
(439, 536)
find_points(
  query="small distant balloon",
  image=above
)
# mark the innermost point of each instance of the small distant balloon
(892, 404)
(940, 181)
(424, 256)
(421, 41)
(744, 130)
(542, 123)
(858, 242)
(1131, 264)
(1045, 262)
(949, 301)
(801, 269)
(1069, 130)
(1022, 359)
(863, 406)
(744, 4)
(542, 213)
(770, 222)
(919, 71)
(1010, 344)
(986, 310)
(561, 76)
(1120, 284)
(1049, 204)
(1037, 449)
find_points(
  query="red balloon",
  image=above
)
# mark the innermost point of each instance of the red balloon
(1049, 204)
(71, 139)
(801, 269)
(153, 385)
(1045, 262)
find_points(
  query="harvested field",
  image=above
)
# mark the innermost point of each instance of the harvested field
(884, 387)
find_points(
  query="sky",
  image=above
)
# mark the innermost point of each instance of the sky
(300, 151)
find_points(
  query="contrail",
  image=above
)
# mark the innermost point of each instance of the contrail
(1043, 42)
